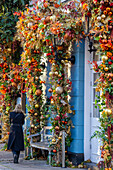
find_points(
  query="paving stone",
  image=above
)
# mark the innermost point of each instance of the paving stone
(6, 163)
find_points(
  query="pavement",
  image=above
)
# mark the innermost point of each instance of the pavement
(6, 163)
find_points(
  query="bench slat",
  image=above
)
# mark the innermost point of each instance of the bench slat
(41, 145)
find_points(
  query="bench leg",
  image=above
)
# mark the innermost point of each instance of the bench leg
(31, 152)
(49, 157)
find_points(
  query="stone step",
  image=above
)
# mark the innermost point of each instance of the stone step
(92, 166)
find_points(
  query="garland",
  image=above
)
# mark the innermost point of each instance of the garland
(40, 27)
(47, 31)
(101, 21)
(10, 73)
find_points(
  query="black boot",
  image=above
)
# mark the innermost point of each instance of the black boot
(18, 153)
(15, 158)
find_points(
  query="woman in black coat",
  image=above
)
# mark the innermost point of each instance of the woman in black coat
(16, 138)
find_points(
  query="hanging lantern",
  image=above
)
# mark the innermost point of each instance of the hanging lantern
(59, 90)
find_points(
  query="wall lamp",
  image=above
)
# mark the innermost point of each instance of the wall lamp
(57, 54)
(90, 39)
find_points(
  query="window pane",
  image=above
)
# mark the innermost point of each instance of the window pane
(96, 76)
(96, 57)
(96, 112)
(94, 95)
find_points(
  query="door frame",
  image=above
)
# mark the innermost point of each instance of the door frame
(87, 109)
(88, 104)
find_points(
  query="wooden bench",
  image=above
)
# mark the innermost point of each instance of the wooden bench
(44, 144)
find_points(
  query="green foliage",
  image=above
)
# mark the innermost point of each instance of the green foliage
(102, 133)
(13, 4)
(26, 142)
(8, 20)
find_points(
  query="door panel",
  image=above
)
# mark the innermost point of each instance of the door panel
(95, 115)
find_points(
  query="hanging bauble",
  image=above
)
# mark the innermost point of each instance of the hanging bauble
(99, 18)
(59, 75)
(36, 78)
(38, 92)
(111, 83)
(103, 16)
(110, 26)
(29, 61)
(36, 105)
(53, 140)
(30, 99)
(53, 18)
(104, 58)
(9, 49)
(47, 20)
(108, 112)
(57, 127)
(106, 68)
(32, 125)
(56, 73)
(59, 90)
(52, 101)
(36, 114)
(14, 84)
(30, 24)
(50, 74)
(50, 90)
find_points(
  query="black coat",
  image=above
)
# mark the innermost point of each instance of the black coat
(16, 138)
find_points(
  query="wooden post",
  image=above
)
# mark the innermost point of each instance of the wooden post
(63, 149)
(49, 157)
(42, 135)
(31, 148)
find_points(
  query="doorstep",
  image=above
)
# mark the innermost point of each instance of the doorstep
(91, 166)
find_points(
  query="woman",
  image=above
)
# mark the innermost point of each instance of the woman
(16, 139)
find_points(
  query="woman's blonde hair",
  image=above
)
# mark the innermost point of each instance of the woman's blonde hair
(18, 108)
